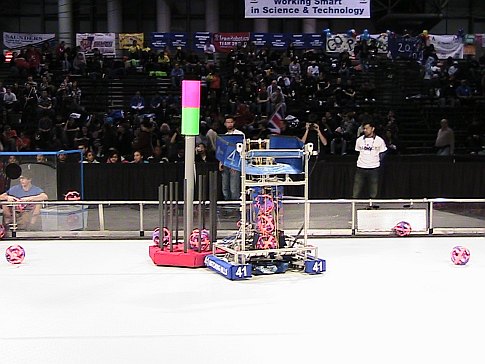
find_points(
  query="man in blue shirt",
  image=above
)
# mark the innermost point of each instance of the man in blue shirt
(26, 192)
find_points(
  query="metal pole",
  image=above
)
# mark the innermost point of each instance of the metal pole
(101, 216)
(199, 211)
(142, 232)
(213, 206)
(176, 212)
(204, 197)
(189, 189)
(171, 215)
(165, 213)
(186, 229)
(160, 215)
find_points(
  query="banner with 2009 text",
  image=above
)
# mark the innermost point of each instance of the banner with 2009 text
(307, 9)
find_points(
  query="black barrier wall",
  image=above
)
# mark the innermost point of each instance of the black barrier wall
(402, 177)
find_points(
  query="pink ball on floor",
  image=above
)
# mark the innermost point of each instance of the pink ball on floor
(460, 255)
(15, 254)
(402, 228)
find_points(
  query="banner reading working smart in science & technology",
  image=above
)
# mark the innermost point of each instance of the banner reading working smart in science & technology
(307, 8)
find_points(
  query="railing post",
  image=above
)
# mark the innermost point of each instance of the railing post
(142, 230)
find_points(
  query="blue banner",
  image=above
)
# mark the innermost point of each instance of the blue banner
(200, 39)
(298, 40)
(406, 47)
(315, 40)
(307, 40)
(260, 39)
(179, 40)
(279, 40)
(226, 152)
(159, 40)
(171, 40)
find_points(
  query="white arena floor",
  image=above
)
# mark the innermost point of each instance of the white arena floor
(382, 300)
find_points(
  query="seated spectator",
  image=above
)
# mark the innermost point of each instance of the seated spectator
(90, 157)
(44, 105)
(164, 61)
(157, 155)
(177, 75)
(138, 158)
(79, 64)
(156, 104)
(137, 103)
(144, 136)
(9, 100)
(28, 214)
(344, 134)
(313, 70)
(113, 156)
(464, 93)
(134, 50)
(209, 51)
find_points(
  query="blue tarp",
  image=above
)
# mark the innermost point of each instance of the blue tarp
(288, 161)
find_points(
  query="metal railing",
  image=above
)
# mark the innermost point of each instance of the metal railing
(135, 219)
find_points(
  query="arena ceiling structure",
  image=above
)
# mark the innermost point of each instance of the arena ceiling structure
(439, 16)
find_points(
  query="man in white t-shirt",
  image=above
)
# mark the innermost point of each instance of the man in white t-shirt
(370, 148)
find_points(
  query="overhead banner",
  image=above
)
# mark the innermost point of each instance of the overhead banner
(447, 46)
(307, 9)
(224, 42)
(126, 39)
(20, 40)
(104, 42)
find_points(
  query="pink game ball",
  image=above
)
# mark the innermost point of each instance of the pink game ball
(167, 236)
(72, 196)
(460, 255)
(204, 240)
(402, 228)
(15, 254)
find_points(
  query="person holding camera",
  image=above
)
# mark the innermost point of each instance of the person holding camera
(314, 135)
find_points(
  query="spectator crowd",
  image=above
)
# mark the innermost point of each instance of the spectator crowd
(306, 93)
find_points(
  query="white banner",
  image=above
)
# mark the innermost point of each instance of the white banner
(307, 8)
(20, 40)
(447, 46)
(105, 42)
(343, 42)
